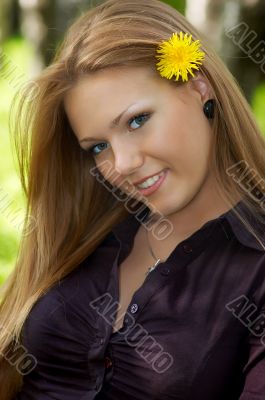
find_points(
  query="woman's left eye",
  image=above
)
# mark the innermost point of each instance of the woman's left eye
(138, 119)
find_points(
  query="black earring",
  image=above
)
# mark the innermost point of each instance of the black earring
(208, 109)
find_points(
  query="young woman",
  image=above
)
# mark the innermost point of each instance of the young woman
(143, 274)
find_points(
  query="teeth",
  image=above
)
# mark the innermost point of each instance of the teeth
(149, 182)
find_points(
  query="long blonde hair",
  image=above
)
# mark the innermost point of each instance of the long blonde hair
(72, 211)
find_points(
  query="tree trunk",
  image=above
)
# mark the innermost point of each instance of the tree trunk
(9, 19)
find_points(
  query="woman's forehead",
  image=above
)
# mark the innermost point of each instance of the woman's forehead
(111, 87)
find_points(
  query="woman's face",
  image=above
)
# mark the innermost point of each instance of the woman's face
(164, 127)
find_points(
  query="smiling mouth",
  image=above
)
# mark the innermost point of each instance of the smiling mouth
(152, 184)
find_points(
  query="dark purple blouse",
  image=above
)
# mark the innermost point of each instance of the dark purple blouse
(194, 330)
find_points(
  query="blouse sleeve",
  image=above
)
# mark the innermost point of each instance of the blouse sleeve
(59, 335)
(254, 370)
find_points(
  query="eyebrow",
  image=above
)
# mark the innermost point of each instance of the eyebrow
(114, 123)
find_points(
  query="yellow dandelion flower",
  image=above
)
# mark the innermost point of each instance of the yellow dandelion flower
(179, 56)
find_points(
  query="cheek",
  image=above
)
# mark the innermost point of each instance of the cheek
(108, 176)
(105, 171)
(190, 140)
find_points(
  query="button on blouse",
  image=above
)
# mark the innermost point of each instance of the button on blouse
(134, 308)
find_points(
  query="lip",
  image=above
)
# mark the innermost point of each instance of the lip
(147, 177)
(155, 186)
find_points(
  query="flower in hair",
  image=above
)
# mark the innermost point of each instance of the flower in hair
(179, 56)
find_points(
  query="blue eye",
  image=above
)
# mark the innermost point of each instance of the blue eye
(145, 115)
(136, 117)
(91, 149)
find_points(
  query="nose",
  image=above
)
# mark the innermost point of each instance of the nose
(127, 158)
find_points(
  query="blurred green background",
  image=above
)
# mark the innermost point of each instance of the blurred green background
(30, 30)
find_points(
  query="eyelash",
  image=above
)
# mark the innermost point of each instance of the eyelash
(90, 149)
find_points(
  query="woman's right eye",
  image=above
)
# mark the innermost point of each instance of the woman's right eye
(91, 149)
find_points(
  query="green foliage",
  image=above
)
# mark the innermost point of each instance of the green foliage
(180, 5)
(16, 56)
(258, 103)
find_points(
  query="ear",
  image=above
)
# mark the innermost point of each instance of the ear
(201, 87)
